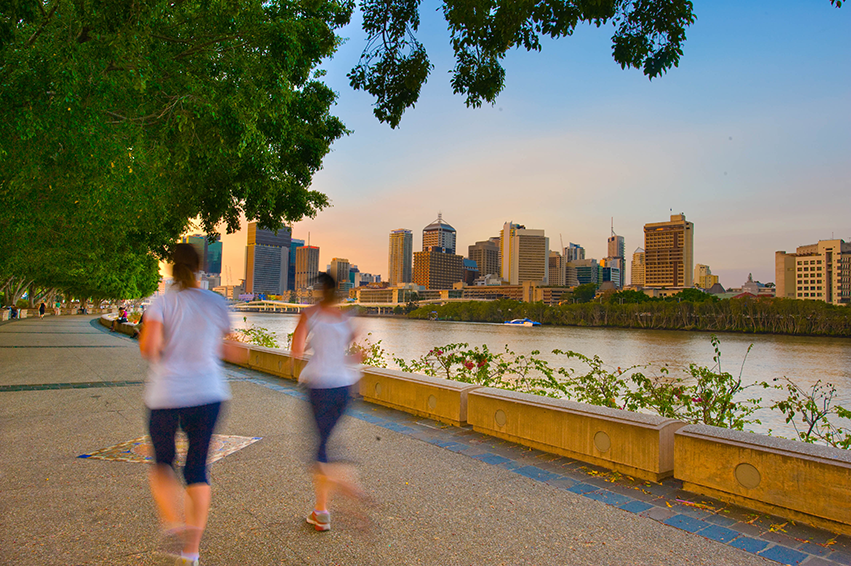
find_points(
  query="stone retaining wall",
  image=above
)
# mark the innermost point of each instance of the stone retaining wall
(631, 443)
(791, 479)
(804, 482)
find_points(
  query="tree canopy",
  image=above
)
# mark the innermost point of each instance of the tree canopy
(122, 120)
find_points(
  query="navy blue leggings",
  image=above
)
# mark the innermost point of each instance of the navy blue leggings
(198, 424)
(328, 406)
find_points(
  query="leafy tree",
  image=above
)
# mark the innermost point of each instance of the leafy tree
(630, 297)
(692, 295)
(648, 35)
(121, 120)
(585, 293)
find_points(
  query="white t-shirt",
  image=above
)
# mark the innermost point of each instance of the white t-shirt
(329, 336)
(189, 372)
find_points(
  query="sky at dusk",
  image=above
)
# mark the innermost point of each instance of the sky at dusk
(750, 138)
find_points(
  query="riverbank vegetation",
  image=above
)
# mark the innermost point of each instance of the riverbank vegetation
(692, 311)
(695, 394)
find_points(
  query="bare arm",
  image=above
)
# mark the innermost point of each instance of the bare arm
(299, 342)
(151, 340)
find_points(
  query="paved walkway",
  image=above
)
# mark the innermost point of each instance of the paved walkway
(445, 496)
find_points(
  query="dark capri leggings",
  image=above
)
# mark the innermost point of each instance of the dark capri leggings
(328, 406)
(198, 424)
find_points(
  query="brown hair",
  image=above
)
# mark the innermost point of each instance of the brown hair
(185, 263)
(325, 282)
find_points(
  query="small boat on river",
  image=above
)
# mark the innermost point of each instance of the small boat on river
(522, 322)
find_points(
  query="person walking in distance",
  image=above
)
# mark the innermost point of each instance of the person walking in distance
(185, 389)
(41, 308)
(329, 375)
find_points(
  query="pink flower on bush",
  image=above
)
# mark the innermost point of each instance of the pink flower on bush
(697, 399)
(469, 365)
(482, 363)
(438, 352)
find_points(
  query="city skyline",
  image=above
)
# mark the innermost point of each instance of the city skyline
(748, 137)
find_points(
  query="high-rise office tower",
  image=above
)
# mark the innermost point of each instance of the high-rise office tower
(439, 234)
(669, 253)
(637, 273)
(573, 252)
(267, 260)
(486, 256)
(585, 271)
(616, 255)
(340, 272)
(400, 256)
(820, 272)
(434, 269)
(557, 271)
(294, 246)
(306, 266)
(525, 254)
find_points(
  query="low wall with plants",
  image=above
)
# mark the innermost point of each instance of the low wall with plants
(649, 427)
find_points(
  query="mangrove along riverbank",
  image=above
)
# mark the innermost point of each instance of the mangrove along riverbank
(753, 316)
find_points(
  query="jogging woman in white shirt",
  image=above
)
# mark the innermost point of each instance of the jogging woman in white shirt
(185, 389)
(329, 375)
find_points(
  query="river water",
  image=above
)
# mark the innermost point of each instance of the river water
(803, 359)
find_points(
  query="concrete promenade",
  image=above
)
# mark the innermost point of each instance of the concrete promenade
(444, 495)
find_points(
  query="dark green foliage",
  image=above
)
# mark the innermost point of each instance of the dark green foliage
(585, 293)
(692, 295)
(122, 120)
(630, 297)
(648, 35)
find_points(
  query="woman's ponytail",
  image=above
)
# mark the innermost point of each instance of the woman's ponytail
(185, 264)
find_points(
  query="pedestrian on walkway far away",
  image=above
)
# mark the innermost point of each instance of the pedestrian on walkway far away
(186, 387)
(329, 375)
(41, 308)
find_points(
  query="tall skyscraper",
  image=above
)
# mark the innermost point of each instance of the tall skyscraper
(434, 269)
(340, 272)
(525, 254)
(439, 234)
(400, 256)
(585, 271)
(267, 260)
(486, 256)
(306, 266)
(294, 246)
(669, 253)
(637, 274)
(820, 272)
(557, 271)
(616, 255)
(573, 252)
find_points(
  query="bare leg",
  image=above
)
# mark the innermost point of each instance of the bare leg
(167, 495)
(198, 497)
(321, 487)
